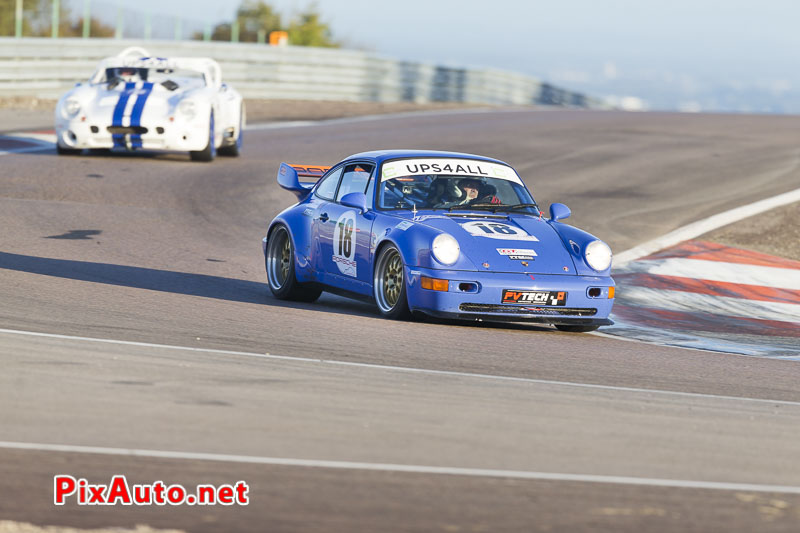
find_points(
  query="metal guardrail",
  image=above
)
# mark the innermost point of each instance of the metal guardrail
(45, 68)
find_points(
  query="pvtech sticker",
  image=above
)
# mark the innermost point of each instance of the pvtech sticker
(517, 254)
(534, 297)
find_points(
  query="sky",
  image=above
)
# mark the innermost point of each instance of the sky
(712, 55)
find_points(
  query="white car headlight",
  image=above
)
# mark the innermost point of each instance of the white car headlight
(187, 107)
(445, 249)
(72, 107)
(598, 255)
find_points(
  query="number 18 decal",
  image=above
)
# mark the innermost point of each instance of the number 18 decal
(497, 230)
(344, 243)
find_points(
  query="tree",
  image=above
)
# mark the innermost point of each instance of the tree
(39, 17)
(221, 32)
(37, 20)
(309, 30)
(8, 17)
(254, 16)
(74, 28)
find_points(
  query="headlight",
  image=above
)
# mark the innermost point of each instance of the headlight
(598, 255)
(71, 107)
(445, 249)
(186, 107)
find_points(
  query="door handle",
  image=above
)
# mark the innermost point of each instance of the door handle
(324, 217)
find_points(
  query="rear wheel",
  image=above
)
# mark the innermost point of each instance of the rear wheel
(571, 328)
(280, 269)
(207, 153)
(389, 284)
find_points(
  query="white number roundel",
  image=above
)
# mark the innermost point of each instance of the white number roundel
(344, 243)
(497, 230)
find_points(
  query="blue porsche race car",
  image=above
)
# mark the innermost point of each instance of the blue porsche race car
(443, 234)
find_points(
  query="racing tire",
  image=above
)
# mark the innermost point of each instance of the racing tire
(571, 328)
(233, 150)
(60, 150)
(389, 284)
(279, 262)
(210, 151)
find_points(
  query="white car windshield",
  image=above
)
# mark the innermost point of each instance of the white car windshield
(182, 77)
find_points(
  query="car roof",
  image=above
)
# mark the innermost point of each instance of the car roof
(379, 156)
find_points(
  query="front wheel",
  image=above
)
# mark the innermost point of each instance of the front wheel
(233, 150)
(575, 328)
(280, 269)
(210, 151)
(389, 284)
(61, 150)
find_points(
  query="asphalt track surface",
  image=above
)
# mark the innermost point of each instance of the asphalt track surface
(162, 251)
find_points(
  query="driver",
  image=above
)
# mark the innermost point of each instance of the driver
(468, 189)
(127, 74)
(449, 192)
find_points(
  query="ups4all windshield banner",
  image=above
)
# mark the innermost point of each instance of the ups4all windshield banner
(453, 167)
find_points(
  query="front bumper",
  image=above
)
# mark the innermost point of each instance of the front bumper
(79, 134)
(479, 296)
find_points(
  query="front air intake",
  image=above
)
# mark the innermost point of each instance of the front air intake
(526, 310)
(124, 130)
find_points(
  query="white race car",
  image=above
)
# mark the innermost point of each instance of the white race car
(137, 102)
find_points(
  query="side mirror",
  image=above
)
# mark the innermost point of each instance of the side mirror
(559, 212)
(356, 200)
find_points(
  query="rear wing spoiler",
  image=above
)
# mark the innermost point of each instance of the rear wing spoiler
(289, 178)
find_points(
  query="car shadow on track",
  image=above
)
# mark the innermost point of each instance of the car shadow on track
(103, 153)
(218, 287)
(519, 326)
(206, 286)
(26, 146)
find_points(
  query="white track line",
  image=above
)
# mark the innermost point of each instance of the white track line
(704, 226)
(405, 369)
(46, 139)
(41, 142)
(386, 116)
(27, 150)
(412, 469)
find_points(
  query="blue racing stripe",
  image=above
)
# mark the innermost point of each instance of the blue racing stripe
(136, 114)
(119, 112)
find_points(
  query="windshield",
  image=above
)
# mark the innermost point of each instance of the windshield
(183, 77)
(404, 187)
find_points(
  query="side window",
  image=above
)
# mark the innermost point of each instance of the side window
(327, 187)
(354, 179)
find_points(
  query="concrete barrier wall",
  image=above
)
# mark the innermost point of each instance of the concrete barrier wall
(45, 68)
